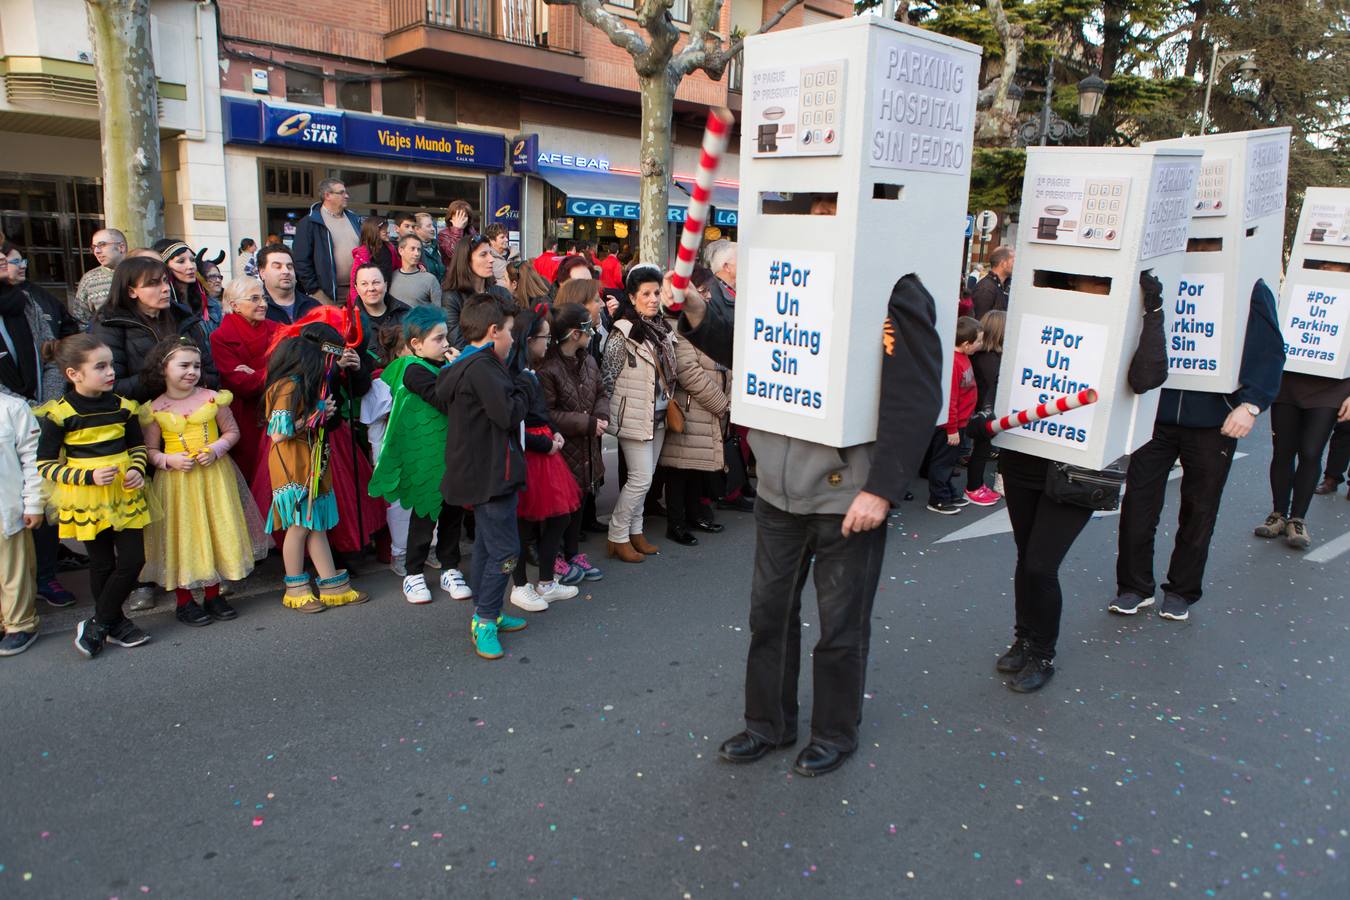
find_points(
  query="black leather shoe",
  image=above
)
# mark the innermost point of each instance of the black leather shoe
(709, 526)
(192, 614)
(217, 608)
(1034, 675)
(681, 536)
(818, 759)
(746, 747)
(1015, 659)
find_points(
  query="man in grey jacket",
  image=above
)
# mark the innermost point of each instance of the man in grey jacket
(826, 507)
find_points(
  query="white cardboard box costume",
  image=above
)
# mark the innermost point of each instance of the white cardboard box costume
(1240, 204)
(1092, 220)
(1315, 300)
(882, 116)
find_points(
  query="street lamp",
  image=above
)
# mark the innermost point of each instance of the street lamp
(1247, 68)
(1048, 126)
(1015, 95)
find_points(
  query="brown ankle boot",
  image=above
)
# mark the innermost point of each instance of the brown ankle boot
(642, 545)
(624, 552)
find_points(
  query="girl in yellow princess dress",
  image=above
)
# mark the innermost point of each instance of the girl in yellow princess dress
(210, 530)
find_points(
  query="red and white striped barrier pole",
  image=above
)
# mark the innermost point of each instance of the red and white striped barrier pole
(715, 137)
(1044, 411)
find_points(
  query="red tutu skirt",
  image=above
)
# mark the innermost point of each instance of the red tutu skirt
(351, 476)
(550, 487)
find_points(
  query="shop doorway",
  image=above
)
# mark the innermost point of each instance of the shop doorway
(52, 219)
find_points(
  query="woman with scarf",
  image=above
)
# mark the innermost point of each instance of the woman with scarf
(239, 346)
(187, 283)
(639, 372)
(359, 514)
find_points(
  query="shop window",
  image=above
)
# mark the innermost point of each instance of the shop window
(400, 97)
(390, 193)
(304, 85)
(353, 93)
(288, 181)
(439, 100)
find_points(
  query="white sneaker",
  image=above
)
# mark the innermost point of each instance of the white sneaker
(553, 591)
(527, 599)
(398, 564)
(453, 583)
(415, 589)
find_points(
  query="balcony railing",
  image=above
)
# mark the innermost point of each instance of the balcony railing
(736, 72)
(523, 22)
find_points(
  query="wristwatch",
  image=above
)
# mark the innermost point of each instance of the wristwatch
(1252, 408)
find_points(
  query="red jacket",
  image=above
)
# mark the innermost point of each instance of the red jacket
(546, 264)
(964, 394)
(611, 273)
(236, 343)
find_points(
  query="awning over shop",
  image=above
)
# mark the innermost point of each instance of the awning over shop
(608, 195)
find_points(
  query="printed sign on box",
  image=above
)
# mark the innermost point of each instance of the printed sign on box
(1211, 192)
(1193, 341)
(1328, 223)
(1313, 323)
(923, 104)
(790, 300)
(1077, 211)
(1267, 170)
(1056, 357)
(1167, 217)
(796, 110)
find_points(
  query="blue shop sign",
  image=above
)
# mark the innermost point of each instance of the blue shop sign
(503, 200)
(615, 209)
(309, 129)
(524, 151)
(725, 218)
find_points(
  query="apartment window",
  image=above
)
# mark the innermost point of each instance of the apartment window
(439, 100)
(353, 94)
(679, 10)
(400, 97)
(304, 85)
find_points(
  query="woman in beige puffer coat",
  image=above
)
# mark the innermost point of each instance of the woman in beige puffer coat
(692, 456)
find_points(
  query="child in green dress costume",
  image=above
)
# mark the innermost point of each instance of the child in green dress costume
(412, 460)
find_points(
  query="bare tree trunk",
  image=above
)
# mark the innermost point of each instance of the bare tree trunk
(996, 123)
(658, 99)
(133, 197)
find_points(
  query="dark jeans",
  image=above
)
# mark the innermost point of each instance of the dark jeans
(447, 528)
(1338, 461)
(1044, 530)
(979, 460)
(1206, 456)
(942, 459)
(547, 536)
(685, 490)
(846, 573)
(47, 545)
(496, 548)
(571, 539)
(1297, 434)
(115, 561)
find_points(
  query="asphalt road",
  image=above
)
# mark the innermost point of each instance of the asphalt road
(366, 752)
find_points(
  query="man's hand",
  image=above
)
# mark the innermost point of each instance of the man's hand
(953, 439)
(179, 462)
(133, 480)
(349, 359)
(1239, 423)
(695, 307)
(105, 476)
(1344, 414)
(459, 219)
(866, 512)
(33, 522)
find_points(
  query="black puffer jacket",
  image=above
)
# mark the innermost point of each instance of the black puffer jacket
(130, 338)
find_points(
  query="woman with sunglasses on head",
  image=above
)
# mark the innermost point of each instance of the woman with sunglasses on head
(578, 404)
(188, 286)
(469, 273)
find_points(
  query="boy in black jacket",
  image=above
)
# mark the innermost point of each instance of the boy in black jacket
(484, 461)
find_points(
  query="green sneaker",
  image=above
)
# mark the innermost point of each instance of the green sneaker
(510, 623)
(484, 637)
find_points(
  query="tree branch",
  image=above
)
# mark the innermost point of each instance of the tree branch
(654, 17)
(620, 35)
(715, 62)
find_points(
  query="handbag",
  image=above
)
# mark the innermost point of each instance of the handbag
(674, 415)
(1088, 488)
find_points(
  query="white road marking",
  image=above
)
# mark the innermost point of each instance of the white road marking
(1330, 550)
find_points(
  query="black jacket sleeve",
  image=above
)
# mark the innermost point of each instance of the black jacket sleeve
(1263, 354)
(422, 382)
(987, 296)
(714, 335)
(986, 365)
(128, 382)
(452, 301)
(303, 254)
(911, 389)
(1148, 367)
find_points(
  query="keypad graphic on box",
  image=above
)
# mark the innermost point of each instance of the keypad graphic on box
(818, 112)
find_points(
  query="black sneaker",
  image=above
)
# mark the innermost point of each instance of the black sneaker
(1175, 608)
(55, 594)
(15, 642)
(126, 634)
(1015, 659)
(960, 501)
(943, 508)
(192, 614)
(218, 609)
(1034, 675)
(89, 637)
(1128, 604)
